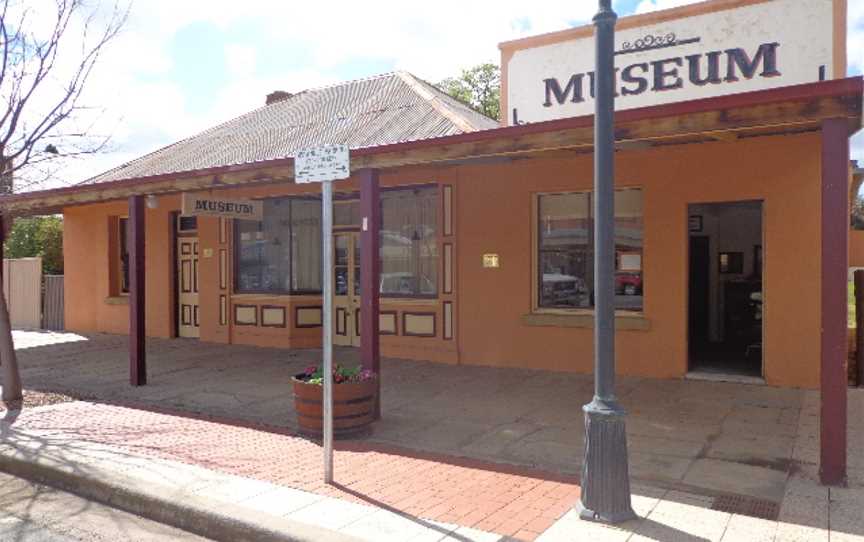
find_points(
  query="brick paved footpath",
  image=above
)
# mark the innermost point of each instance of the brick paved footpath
(503, 499)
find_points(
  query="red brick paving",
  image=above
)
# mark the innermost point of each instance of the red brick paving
(507, 500)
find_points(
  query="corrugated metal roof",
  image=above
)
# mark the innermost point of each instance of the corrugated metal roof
(389, 108)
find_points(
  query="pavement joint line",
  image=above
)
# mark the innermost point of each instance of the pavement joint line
(195, 514)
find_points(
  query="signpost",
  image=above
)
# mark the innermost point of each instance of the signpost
(325, 164)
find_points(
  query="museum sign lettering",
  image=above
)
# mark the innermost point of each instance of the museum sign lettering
(193, 205)
(701, 51)
(712, 68)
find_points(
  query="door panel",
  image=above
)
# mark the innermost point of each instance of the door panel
(346, 289)
(187, 281)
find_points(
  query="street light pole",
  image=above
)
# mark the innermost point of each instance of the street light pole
(605, 475)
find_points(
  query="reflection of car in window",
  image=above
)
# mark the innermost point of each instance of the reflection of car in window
(405, 283)
(628, 283)
(561, 289)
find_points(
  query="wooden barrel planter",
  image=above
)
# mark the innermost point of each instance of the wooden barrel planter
(353, 407)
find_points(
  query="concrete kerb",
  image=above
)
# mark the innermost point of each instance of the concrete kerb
(192, 513)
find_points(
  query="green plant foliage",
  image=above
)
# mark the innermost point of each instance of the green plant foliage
(37, 236)
(314, 374)
(479, 87)
(857, 221)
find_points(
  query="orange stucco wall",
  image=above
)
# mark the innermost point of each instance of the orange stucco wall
(492, 209)
(856, 248)
(495, 216)
(89, 305)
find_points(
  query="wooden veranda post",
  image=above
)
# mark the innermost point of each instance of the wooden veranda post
(137, 298)
(834, 260)
(370, 271)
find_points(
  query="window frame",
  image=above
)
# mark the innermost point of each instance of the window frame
(237, 250)
(535, 253)
(115, 255)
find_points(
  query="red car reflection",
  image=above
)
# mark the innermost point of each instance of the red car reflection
(628, 283)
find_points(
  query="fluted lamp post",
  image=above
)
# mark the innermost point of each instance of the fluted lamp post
(605, 474)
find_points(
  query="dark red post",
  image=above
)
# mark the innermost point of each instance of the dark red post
(835, 228)
(370, 270)
(135, 242)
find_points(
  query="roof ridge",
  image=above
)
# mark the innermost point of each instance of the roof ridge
(435, 101)
(349, 82)
(232, 119)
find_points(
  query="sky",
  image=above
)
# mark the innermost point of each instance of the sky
(181, 66)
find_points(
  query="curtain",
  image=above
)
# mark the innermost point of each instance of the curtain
(306, 238)
(409, 243)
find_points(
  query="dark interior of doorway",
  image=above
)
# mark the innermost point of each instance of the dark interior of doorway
(725, 288)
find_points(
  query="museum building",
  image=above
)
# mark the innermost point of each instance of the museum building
(731, 210)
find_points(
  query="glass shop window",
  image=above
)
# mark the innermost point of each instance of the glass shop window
(282, 253)
(409, 242)
(565, 255)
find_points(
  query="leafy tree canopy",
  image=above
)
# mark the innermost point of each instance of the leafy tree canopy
(37, 236)
(479, 87)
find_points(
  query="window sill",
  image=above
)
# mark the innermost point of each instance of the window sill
(117, 300)
(623, 322)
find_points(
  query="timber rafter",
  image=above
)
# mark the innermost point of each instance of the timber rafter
(793, 109)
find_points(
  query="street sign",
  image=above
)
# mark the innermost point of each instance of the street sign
(194, 205)
(323, 163)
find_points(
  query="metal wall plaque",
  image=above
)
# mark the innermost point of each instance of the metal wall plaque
(242, 209)
(324, 163)
(491, 261)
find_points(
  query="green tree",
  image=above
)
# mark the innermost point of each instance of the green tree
(40, 236)
(479, 87)
(858, 213)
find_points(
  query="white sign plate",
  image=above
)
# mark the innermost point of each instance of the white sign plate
(196, 205)
(757, 45)
(324, 163)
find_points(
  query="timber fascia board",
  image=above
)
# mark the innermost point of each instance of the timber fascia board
(797, 108)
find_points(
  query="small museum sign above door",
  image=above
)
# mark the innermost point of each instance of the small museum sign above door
(699, 51)
(198, 205)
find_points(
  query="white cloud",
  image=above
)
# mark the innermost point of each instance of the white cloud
(240, 60)
(145, 108)
(433, 43)
(653, 5)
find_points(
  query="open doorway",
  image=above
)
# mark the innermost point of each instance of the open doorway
(725, 288)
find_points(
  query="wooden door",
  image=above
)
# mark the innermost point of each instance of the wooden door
(700, 281)
(187, 282)
(346, 289)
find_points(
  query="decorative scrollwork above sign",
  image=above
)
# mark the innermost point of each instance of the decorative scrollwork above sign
(654, 41)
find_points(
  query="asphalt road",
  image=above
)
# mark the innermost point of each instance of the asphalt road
(35, 513)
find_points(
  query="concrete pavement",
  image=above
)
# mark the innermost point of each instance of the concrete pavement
(699, 435)
(731, 451)
(234, 483)
(31, 512)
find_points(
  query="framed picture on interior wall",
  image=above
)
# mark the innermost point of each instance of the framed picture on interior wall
(731, 262)
(695, 223)
(757, 260)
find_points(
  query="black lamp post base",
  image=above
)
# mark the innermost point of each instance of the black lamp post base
(605, 473)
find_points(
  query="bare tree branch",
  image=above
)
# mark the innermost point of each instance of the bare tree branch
(29, 69)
